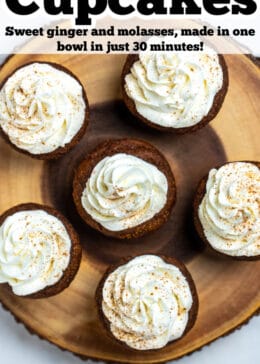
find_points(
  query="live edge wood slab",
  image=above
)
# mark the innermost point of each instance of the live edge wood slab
(229, 291)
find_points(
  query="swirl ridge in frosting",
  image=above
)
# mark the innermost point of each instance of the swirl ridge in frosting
(41, 108)
(230, 210)
(174, 89)
(34, 251)
(124, 191)
(147, 302)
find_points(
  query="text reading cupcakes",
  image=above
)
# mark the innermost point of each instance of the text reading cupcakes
(43, 110)
(175, 91)
(147, 302)
(40, 251)
(227, 210)
(124, 188)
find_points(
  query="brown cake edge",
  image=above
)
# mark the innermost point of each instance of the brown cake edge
(138, 148)
(75, 252)
(217, 103)
(200, 192)
(193, 313)
(57, 153)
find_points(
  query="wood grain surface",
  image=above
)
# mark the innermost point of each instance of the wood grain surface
(229, 291)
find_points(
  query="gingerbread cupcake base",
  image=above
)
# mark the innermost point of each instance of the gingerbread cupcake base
(137, 148)
(60, 151)
(193, 313)
(216, 106)
(75, 251)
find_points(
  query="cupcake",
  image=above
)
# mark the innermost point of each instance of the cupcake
(227, 210)
(40, 251)
(147, 302)
(43, 110)
(124, 188)
(175, 91)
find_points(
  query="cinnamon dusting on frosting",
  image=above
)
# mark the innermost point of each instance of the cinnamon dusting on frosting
(41, 108)
(230, 210)
(147, 302)
(124, 191)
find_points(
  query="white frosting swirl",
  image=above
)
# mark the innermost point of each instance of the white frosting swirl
(124, 191)
(41, 108)
(147, 302)
(174, 89)
(230, 210)
(34, 251)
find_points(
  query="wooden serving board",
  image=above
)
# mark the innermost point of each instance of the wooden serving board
(229, 291)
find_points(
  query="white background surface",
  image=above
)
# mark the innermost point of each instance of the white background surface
(18, 346)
